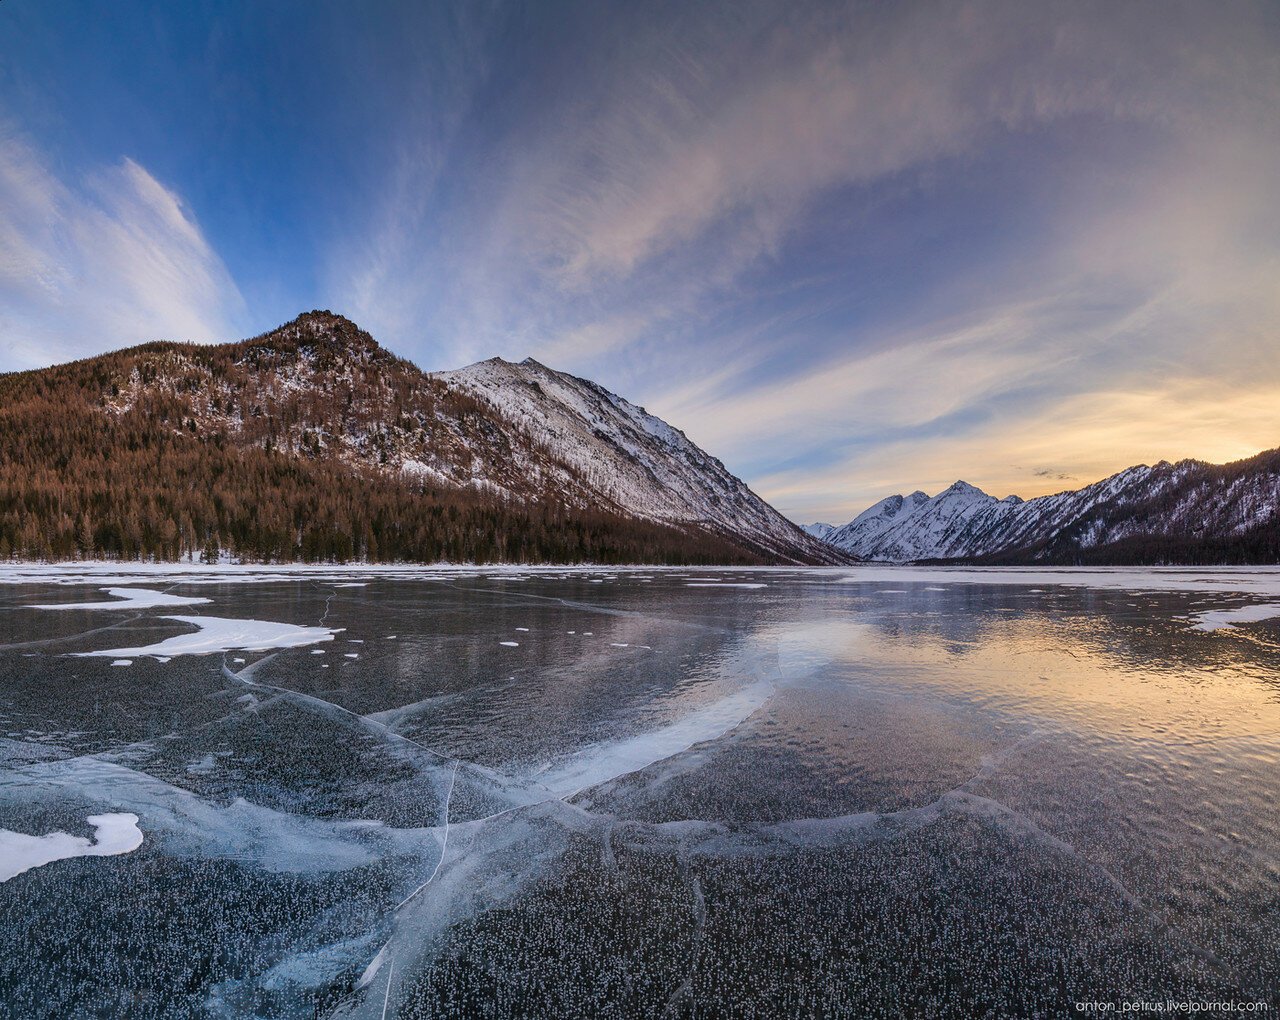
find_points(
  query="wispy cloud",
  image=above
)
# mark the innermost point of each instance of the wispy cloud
(110, 259)
(695, 165)
(730, 121)
(630, 217)
(1116, 365)
(1100, 432)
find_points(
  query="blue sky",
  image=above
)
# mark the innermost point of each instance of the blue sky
(851, 249)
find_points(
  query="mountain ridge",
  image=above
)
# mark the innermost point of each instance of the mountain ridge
(299, 414)
(1184, 512)
(818, 529)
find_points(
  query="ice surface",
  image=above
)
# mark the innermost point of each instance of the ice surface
(269, 839)
(603, 762)
(374, 966)
(1003, 793)
(116, 833)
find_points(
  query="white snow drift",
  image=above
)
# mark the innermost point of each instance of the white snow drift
(116, 834)
(218, 634)
(1217, 619)
(132, 598)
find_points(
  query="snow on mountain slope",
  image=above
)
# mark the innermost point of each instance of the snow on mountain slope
(1163, 509)
(864, 530)
(624, 456)
(818, 530)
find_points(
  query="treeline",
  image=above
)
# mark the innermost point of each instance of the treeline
(166, 499)
(1257, 546)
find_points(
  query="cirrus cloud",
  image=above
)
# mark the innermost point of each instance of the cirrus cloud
(112, 259)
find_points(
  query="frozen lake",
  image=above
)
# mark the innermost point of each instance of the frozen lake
(865, 792)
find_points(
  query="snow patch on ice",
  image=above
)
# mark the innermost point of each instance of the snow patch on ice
(1217, 619)
(217, 634)
(1264, 581)
(132, 598)
(116, 834)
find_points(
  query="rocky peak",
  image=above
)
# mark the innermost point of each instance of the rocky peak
(325, 336)
(963, 488)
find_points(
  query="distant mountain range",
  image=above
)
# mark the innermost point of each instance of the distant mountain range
(818, 530)
(313, 442)
(1188, 512)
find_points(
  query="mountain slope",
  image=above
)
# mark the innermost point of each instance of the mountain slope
(312, 441)
(607, 450)
(1189, 512)
(819, 530)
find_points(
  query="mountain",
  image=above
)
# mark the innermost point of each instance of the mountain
(1188, 512)
(313, 442)
(608, 451)
(818, 530)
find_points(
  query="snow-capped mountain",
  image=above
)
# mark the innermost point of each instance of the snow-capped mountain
(536, 455)
(818, 530)
(1185, 512)
(580, 438)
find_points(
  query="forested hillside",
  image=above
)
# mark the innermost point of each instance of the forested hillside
(308, 443)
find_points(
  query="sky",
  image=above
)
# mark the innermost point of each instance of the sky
(850, 249)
